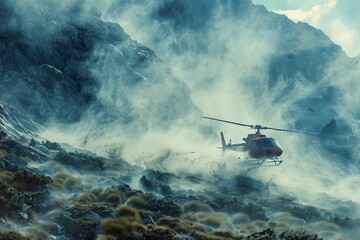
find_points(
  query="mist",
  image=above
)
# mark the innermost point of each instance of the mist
(244, 64)
(235, 61)
(147, 79)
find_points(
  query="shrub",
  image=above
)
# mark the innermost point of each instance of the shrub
(180, 226)
(38, 232)
(25, 180)
(129, 212)
(121, 228)
(15, 236)
(196, 206)
(164, 206)
(105, 237)
(67, 182)
(298, 235)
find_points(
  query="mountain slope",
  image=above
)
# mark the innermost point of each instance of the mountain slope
(58, 69)
(260, 66)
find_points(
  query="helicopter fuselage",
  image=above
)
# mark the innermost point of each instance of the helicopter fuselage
(256, 145)
(260, 146)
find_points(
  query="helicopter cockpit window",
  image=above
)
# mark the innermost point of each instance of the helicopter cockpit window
(269, 142)
(276, 142)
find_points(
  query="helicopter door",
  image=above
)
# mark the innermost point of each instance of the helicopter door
(256, 148)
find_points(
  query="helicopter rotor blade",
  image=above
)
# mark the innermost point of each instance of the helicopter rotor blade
(220, 120)
(289, 130)
(259, 127)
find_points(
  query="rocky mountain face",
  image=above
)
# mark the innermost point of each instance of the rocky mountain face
(57, 68)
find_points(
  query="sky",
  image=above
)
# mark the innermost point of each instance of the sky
(338, 19)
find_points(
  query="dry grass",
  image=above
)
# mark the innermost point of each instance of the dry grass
(38, 232)
(105, 237)
(3, 153)
(6, 175)
(121, 228)
(65, 181)
(196, 206)
(324, 226)
(240, 218)
(289, 219)
(180, 226)
(129, 212)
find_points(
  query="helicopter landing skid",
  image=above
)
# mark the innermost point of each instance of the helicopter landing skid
(266, 162)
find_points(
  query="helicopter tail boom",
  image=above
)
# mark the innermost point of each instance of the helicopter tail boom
(223, 143)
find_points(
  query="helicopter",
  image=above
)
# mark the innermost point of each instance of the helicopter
(260, 149)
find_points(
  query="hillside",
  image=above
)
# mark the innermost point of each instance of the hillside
(102, 137)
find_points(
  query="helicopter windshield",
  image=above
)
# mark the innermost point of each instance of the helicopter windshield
(269, 143)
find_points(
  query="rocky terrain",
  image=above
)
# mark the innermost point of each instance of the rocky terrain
(48, 192)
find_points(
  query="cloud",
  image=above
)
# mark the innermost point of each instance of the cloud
(313, 16)
(336, 18)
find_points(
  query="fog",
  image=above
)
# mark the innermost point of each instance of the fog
(224, 59)
(227, 55)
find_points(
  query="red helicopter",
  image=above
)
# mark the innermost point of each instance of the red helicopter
(261, 150)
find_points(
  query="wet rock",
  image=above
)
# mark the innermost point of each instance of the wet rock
(232, 205)
(15, 163)
(263, 235)
(80, 228)
(156, 186)
(28, 181)
(14, 148)
(2, 134)
(298, 235)
(248, 185)
(80, 161)
(21, 191)
(164, 206)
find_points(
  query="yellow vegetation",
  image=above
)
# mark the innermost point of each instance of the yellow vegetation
(105, 237)
(121, 228)
(181, 226)
(6, 175)
(129, 212)
(68, 182)
(196, 206)
(36, 231)
(324, 226)
(3, 153)
(240, 218)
